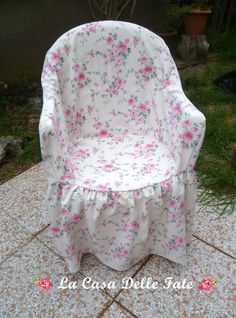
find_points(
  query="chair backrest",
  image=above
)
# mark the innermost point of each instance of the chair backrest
(108, 78)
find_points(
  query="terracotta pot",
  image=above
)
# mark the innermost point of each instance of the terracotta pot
(195, 22)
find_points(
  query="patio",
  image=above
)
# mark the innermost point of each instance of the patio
(27, 252)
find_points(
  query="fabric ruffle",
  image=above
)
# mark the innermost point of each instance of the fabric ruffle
(156, 220)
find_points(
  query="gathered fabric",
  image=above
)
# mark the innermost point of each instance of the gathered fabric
(119, 141)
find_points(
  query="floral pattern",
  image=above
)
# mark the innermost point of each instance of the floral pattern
(119, 140)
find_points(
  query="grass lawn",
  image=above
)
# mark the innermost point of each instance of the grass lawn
(215, 171)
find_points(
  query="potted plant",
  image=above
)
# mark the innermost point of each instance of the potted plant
(196, 19)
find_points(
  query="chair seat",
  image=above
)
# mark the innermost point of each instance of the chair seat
(120, 163)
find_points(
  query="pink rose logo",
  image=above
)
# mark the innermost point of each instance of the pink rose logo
(44, 283)
(207, 284)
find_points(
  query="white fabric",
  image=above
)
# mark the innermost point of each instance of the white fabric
(119, 140)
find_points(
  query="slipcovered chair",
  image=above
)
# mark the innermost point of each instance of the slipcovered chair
(119, 141)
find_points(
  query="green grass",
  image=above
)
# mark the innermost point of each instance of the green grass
(215, 171)
(222, 42)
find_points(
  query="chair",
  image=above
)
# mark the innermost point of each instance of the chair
(119, 141)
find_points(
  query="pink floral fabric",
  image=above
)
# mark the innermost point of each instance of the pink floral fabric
(119, 140)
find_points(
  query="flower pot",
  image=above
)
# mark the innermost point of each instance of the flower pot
(195, 22)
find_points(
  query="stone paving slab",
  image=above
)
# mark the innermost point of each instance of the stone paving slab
(22, 198)
(12, 236)
(220, 231)
(204, 262)
(21, 297)
(116, 311)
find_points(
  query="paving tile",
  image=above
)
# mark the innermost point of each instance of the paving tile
(219, 231)
(92, 267)
(116, 311)
(204, 262)
(13, 236)
(101, 273)
(22, 198)
(22, 297)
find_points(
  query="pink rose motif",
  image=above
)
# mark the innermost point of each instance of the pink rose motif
(207, 284)
(118, 82)
(177, 110)
(142, 108)
(133, 225)
(122, 46)
(89, 28)
(179, 240)
(81, 77)
(64, 211)
(147, 69)
(55, 229)
(150, 166)
(109, 39)
(188, 136)
(108, 166)
(112, 90)
(181, 205)
(44, 283)
(112, 53)
(71, 250)
(118, 60)
(68, 176)
(75, 217)
(133, 113)
(78, 116)
(103, 133)
(131, 101)
(186, 123)
(167, 82)
(126, 213)
(167, 185)
(55, 57)
(68, 112)
(101, 188)
(97, 124)
(174, 216)
(142, 60)
(90, 109)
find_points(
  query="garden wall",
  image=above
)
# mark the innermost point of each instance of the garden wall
(28, 29)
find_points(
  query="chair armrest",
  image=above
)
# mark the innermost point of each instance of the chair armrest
(54, 142)
(184, 123)
(186, 126)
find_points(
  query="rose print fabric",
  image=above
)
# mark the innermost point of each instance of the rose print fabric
(119, 141)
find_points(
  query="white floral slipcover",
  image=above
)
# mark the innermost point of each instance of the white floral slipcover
(119, 140)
